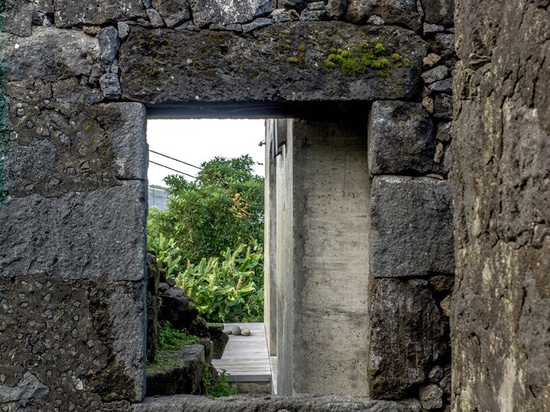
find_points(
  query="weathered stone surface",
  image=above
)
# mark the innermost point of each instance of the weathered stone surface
(401, 13)
(250, 403)
(409, 334)
(110, 86)
(439, 11)
(412, 232)
(206, 12)
(80, 343)
(109, 44)
(400, 138)
(108, 142)
(435, 74)
(501, 159)
(16, 18)
(183, 375)
(336, 8)
(48, 54)
(173, 12)
(431, 397)
(65, 236)
(71, 13)
(177, 308)
(277, 65)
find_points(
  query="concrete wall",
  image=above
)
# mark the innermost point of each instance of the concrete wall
(322, 205)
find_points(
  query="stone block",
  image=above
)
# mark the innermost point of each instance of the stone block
(439, 11)
(49, 54)
(409, 334)
(75, 344)
(16, 18)
(400, 138)
(109, 44)
(78, 235)
(173, 12)
(207, 12)
(400, 13)
(71, 13)
(273, 66)
(412, 227)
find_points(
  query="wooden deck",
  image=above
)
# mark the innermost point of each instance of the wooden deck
(245, 359)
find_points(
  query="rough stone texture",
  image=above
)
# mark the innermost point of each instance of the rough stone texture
(431, 397)
(182, 375)
(412, 232)
(48, 54)
(78, 341)
(401, 138)
(439, 11)
(71, 13)
(173, 12)
(221, 66)
(501, 181)
(65, 236)
(206, 12)
(16, 18)
(303, 403)
(401, 13)
(409, 334)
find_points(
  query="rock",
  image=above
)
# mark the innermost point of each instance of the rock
(431, 60)
(49, 54)
(376, 20)
(443, 107)
(274, 403)
(404, 308)
(439, 11)
(17, 19)
(431, 397)
(283, 15)
(442, 86)
(312, 15)
(444, 132)
(236, 330)
(400, 207)
(173, 12)
(70, 13)
(110, 86)
(123, 30)
(219, 339)
(336, 9)
(177, 308)
(206, 12)
(442, 283)
(245, 332)
(432, 28)
(428, 104)
(155, 18)
(436, 374)
(316, 5)
(185, 376)
(401, 13)
(435, 74)
(109, 44)
(256, 24)
(400, 138)
(273, 66)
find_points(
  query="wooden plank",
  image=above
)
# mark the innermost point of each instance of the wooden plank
(245, 358)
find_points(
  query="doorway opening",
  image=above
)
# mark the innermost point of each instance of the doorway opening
(205, 231)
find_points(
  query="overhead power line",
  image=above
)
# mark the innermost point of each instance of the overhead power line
(176, 160)
(174, 170)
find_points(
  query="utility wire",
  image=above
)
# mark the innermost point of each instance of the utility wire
(177, 160)
(174, 170)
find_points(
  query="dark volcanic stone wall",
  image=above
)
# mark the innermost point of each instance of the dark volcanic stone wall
(501, 179)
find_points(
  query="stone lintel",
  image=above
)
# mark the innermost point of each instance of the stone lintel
(290, 62)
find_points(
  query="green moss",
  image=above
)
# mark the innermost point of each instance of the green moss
(364, 58)
(292, 59)
(173, 339)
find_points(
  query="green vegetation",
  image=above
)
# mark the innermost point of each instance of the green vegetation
(174, 339)
(217, 389)
(211, 239)
(358, 61)
(228, 288)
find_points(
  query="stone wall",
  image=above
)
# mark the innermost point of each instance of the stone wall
(77, 78)
(501, 181)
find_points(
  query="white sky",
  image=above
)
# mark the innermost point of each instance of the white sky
(198, 141)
